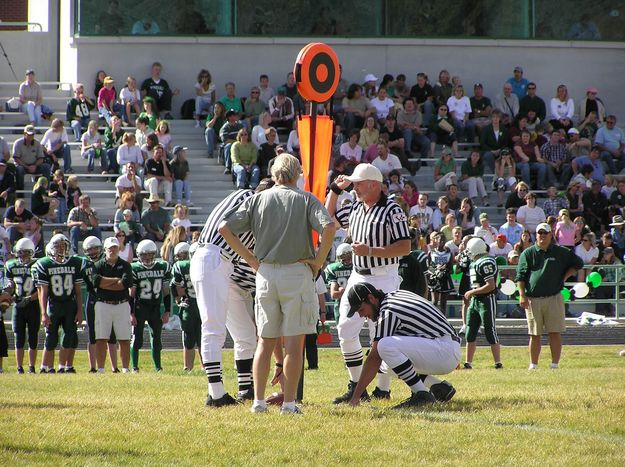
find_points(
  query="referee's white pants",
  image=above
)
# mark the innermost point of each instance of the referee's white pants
(240, 321)
(210, 276)
(429, 356)
(349, 328)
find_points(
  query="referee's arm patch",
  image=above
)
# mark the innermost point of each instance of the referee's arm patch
(398, 217)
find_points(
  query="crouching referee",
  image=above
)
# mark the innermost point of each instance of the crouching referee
(412, 337)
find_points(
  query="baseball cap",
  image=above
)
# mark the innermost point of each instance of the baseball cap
(29, 129)
(502, 237)
(127, 212)
(357, 295)
(513, 254)
(543, 226)
(483, 216)
(108, 79)
(231, 112)
(518, 68)
(111, 241)
(282, 90)
(364, 172)
(370, 77)
(573, 131)
(30, 71)
(177, 149)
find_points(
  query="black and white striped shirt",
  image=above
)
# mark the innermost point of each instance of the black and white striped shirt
(210, 232)
(383, 224)
(404, 313)
(244, 276)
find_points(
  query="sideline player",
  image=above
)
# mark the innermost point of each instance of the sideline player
(150, 285)
(482, 299)
(338, 273)
(412, 337)
(58, 278)
(26, 311)
(186, 301)
(92, 246)
(379, 230)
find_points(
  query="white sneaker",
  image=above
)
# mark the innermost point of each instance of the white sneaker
(533, 366)
(288, 411)
(197, 124)
(553, 366)
(258, 409)
(125, 370)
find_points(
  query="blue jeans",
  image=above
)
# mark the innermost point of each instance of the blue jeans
(118, 109)
(67, 158)
(539, 167)
(609, 160)
(179, 187)
(33, 111)
(111, 160)
(422, 140)
(465, 129)
(488, 158)
(77, 235)
(43, 169)
(61, 211)
(78, 126)
(209, 137)
(241, 175)
(227, 160)
(90, 155)
(427, 110)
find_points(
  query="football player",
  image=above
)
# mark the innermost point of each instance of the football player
(151, 279)
(58, 278)
(26, 314)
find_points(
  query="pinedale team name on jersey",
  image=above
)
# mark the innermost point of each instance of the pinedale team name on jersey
(150, 273)
(62, 270)
(21, 271)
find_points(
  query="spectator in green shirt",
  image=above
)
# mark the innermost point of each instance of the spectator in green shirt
(244, 155)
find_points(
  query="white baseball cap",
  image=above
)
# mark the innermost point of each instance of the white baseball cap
(370, 77)
(364, 172)
(111, 241)
(544, 226)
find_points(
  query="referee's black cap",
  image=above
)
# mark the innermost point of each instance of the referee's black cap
(358, 294)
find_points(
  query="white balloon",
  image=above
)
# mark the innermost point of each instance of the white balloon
(509, 287)
(581, 289)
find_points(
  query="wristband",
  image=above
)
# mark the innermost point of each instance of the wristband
(335, 188)
(370, 252)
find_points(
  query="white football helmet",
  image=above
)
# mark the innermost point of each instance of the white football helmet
(193, 248)
(92, 246)
(146, 251)
(24, 249)
(181, 251)
(59, 248)
(476, 247)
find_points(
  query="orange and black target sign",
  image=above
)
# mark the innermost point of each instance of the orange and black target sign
(317, 72)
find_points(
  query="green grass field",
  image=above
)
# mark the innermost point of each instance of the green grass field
(571, 416)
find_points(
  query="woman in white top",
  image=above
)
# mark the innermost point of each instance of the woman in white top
(130, 152)
(459, 107)
(55, 144)
(351, 149)
(383, 106)
(292, 144)
(258, 132)
(530, 215)
(130, 97)
(561, 109)
(92, 147)
(204, 95)
(125, 248)
(588, 252)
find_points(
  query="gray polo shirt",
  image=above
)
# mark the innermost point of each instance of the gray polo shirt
(27, 154)
(282, 220)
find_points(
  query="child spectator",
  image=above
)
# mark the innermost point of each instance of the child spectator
(92, 147)
(396, 184)
(55, 145)
(73, 192)
(130, 152)
(125, 247)
(131, 227)
(588, 252)
(99, 82)
(164, 136)
(180, 171)
(565, 230)
(204, 95)
(181, 217)
(41, 203)
(150, 112)
(130, 97)
(77, 112)
(439, 271)
(173, 237)
(142, 131)
(410, 193)
(58, 191)
(107, 102)
(447, 229)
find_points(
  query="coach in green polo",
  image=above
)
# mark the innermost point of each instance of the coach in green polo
(540, 276)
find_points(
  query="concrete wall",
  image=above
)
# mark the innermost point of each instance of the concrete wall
(37, 50)
(241, 60)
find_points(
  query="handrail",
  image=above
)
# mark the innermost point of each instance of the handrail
(20, 23)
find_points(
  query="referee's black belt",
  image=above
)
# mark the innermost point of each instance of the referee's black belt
(364, 272)
(113, 302)
(456, 338)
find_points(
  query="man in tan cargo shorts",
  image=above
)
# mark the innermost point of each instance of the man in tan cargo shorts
(540, 277)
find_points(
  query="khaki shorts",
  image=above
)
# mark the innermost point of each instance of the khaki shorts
(547, 312)
(286, 303)
(108, 317)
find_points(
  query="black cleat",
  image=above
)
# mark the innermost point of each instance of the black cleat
(31, 370)
(135, 369)
(93, 370)
(223, 401)
(52, 371)
(499, 366)
(61, 370)
(345, 398)
(20, 370)
(71, 369)
(115, 370)
(380, 394)
(417, 399)
(467, 366)
(443, 391)
(42, 371)
(245, 395)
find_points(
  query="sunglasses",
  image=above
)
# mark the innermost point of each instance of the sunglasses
(542, 232)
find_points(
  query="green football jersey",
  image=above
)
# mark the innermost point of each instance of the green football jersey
(149, 282)
(482, 270)
(338, 272)
(20, 277)
(59, 277)
(182, 278)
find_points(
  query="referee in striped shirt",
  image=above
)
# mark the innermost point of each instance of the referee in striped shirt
(212, 266)
(412, 337)
(379, 230)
